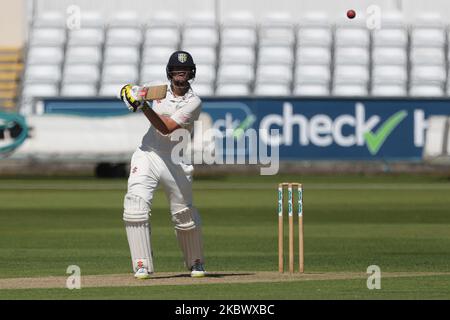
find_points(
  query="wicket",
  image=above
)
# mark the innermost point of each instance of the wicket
(291, 226)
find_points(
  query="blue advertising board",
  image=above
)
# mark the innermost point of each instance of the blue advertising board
(309, 128)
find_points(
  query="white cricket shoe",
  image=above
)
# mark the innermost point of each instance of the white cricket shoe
(142, 274)
(198, 270)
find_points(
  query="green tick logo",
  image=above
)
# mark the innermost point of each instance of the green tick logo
(376, 140)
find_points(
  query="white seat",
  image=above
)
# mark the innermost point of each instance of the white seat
(315, 19)
(32, 90)
(390, 38)
(428, 37)
(153, 72)
(121, 54)
(124, 37)
(274, 73)
(47, 37)
(351, 74)
(162, 37)
(389, 74)
(389, 90)
(50, 19)
(205, 73)
(156, 55)
(235, 73)
(89, 54)
(111, 89)
(276, 36)
(127, 19)
(311, 90)
(78, 90)
(350, 37)
(278, 19)
(434, 74)
(229, 89)
(313, 36)
(350, 90)
(92, 19)
(238, 37)
(163, 19)
(267, 89)
(203, 89)
(392, 20)
(201, 19)
(426, 90)
(127, 73)
(45, 55)
(352, 55)
(428, 56)
(312, 74)
(232, 54)
(80, 73)
(43, 73)
(313, 55)
(239, 19)
(202, 55)
(200, 37)
(276, 55)
(86, 37)
(429, 20)
(389, 55)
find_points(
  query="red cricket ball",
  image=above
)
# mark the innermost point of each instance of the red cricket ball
(351, 14)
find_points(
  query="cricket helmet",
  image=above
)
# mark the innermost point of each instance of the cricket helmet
(181, 59)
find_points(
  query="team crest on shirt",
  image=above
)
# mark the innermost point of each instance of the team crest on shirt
(182, 57)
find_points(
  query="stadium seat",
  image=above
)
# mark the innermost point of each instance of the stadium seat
(351, 55)
(78, 54)
(92, 19)
(277, 29)
(78, 90)
(79, 73)
(426, 90)
(315, 19)
(229, 89)
(312, 74)
(50, 19)
(350, 37)
(434, 74)
(275, 55)
(232, 54)
(428, 56)
(43, 73)
(429, 20)
(349, 90)
(314, 36)
(197, 36)
(47, 37)
(235, 73)
(205, 73)
(351, 74)
(163, 19)
(121, 54)
(268, 89)
(86, 37)
(203, 89)
(32, 90)
(384, 90)
(239, 19)
(428, 37)
(45, 55)
(153, 72)
(124, 73)
(162, 37)
(274, 73)
(156, 55)
(111, 89)
(124, 37)
(238, 36)
(313, 55)
(125, 19)
(389, 74)
(311, 90)
(202, 55)
(392, 20)
(389, 55)
(202, 19)
(390, 38)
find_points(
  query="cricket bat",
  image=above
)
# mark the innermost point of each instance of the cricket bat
(153, 92)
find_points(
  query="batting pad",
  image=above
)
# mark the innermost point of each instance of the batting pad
(138, 234)
(190, 241)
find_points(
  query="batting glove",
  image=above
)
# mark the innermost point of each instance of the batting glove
(129, 95)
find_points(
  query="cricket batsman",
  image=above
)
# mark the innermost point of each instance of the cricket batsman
(151, 164)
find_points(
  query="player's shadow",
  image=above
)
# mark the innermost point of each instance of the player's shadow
(208, 275)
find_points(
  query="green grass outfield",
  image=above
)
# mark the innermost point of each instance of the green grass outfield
(400, 223)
